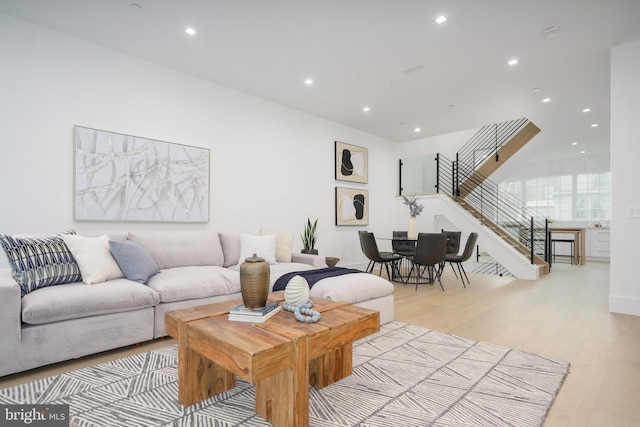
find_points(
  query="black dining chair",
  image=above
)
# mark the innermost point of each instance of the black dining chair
(453, 244)
(370, 249)
(463, 257)
(429, 256)
(402, 246)
(453, 241)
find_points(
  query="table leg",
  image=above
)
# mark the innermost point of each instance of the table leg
(283, 398)
(198, 377)
(331, 366)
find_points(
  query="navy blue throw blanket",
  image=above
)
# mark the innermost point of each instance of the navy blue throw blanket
(312, 276)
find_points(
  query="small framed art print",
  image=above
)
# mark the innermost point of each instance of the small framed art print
(352, 206)
(352, 163)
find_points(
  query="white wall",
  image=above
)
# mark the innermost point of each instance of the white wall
(50, 82)
(447, 145)
(624, 294)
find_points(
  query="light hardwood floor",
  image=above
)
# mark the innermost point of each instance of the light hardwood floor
(563, 315)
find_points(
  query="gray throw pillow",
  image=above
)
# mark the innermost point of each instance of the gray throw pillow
(136, 264)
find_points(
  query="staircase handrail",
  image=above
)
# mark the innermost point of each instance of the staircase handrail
(485, 144)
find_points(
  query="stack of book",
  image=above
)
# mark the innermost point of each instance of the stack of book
(240, 313)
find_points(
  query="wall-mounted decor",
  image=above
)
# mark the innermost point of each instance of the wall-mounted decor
(352, 163)
(127, 178)
(352, 206)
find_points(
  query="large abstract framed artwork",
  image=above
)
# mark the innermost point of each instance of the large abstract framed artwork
(352, 163)
(352, 206)
(127, 178)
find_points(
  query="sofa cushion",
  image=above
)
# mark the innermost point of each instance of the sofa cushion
(133, 260)
(262, 246)
(76, 300)
(230, 243)
(183, 283)
(94, 258)
(352, 288)
(39, 262)
(284, 245)
(171, 249)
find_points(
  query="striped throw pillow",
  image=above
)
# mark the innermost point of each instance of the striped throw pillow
(39, 262)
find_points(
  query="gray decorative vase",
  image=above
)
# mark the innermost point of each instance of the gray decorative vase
(254, 282)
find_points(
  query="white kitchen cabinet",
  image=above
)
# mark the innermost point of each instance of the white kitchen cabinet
(599, 243)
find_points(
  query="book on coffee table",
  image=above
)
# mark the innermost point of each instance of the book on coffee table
(240, 313)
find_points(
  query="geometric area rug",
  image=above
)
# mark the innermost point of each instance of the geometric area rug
(403, 375)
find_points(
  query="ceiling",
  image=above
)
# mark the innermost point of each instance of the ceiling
(389, 55)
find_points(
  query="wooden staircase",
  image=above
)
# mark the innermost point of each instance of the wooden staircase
(507, 138)
(493, 162)
(465, 179)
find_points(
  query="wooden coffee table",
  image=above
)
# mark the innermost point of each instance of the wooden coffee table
(281, 356)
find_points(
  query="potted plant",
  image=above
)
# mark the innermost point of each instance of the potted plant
(310, 237)
(415, 209)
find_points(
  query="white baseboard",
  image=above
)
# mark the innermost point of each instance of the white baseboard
(624, 305)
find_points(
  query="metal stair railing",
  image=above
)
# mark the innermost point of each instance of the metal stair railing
(495, 206)
(488, 140)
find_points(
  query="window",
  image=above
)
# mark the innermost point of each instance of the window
(593, 197)
(585, 197)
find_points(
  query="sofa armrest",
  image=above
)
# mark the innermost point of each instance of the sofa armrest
(311, 259)
(10, 319)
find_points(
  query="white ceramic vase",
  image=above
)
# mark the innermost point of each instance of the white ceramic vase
(412, 232)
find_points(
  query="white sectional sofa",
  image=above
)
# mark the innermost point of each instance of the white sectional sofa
(59, 322)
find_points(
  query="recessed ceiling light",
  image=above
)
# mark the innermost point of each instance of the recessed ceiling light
(441, 19)
(546, 100)
(582, 152)
(366, 109)
(586, 110)
(416, 130)
(308, 82)
(595, 125)
(574, 143)
(513, 62)
(190, 31)
(536, 89)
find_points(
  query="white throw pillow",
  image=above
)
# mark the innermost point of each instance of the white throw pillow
(284, 245)
(93, 257)
(262, 246)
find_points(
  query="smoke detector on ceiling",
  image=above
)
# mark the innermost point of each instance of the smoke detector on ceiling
(551, 31)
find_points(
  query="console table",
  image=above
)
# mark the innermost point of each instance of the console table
(281, 356)
(579, 241)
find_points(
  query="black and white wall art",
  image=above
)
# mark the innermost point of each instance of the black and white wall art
(352, 206)
(352, 163)
(128, 178)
